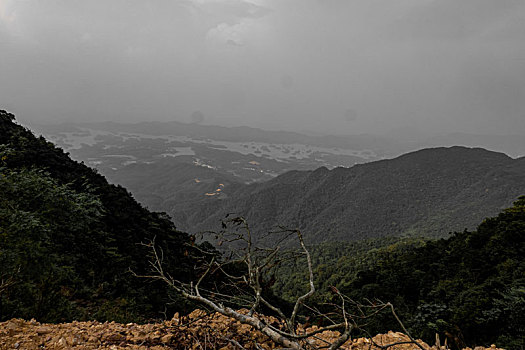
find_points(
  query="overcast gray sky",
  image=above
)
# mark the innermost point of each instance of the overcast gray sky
(335, 66)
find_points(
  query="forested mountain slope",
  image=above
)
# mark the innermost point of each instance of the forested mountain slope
(424, 193)
(68, 238)
(469, 287)
(170, 186)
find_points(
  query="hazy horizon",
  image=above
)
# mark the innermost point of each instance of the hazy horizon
(317, 66)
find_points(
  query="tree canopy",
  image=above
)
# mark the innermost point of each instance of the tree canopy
(469, 287)
(68, 239)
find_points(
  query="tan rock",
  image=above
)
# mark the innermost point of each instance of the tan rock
(167, 339)
(12, 324)
(114, 338)
(43, 330)
(92, 339)
(62, 342)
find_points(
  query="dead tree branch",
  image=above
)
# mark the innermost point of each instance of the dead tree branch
(241, 277)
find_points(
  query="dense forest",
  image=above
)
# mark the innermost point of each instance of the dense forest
(469, 287)
(68, 239)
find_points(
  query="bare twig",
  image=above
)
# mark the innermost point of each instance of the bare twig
(303, 297)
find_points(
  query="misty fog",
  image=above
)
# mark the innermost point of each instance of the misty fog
(319, 66)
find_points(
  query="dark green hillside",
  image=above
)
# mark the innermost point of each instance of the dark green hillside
(424, 193)
(469, 287)
(170, 185)
(68, 238)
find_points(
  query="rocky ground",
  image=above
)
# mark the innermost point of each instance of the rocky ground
(195, 331)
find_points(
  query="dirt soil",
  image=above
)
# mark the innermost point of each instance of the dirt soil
(195, 331)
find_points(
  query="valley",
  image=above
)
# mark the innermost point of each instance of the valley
(170, 165)
(335, 189)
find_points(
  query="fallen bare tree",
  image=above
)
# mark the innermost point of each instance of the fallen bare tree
(240, 277)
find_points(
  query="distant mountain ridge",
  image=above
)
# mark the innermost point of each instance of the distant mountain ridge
(179, 168)
(246, 154)
(240, 134)
(386, 145)
(513, 145)
(424, 193)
